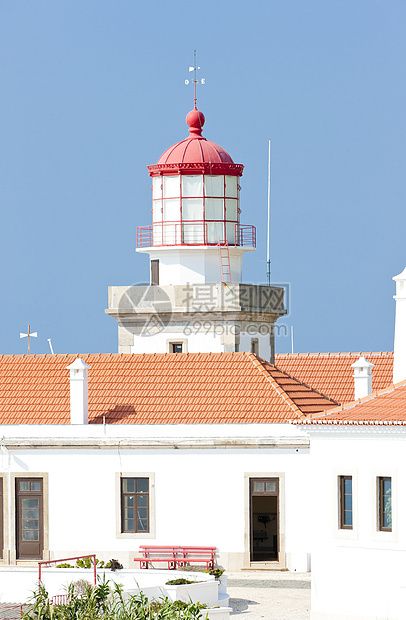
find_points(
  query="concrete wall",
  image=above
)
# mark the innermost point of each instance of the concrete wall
(358, 573)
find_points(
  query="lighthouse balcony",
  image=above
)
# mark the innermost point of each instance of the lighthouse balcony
(196, 233)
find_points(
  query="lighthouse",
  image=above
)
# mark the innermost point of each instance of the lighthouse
(196, 300)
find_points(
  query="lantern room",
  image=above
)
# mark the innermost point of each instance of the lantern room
(196, 205)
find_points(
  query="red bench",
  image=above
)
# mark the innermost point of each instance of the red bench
(176, 556)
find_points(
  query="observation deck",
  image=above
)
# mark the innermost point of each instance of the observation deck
(196, 233)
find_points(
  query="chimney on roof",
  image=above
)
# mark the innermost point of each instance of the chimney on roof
(78, 392)
(399, 357)
(362, 378)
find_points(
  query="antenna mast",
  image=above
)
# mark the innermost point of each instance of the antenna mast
(29, 335)
(268, 256)
(195, 81)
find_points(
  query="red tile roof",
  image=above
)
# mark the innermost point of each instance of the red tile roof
(331, 373)
(155, 389)
(386, 407)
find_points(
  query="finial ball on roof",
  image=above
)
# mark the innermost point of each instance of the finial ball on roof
(195, 120)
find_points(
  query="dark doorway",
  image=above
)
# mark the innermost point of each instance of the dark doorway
(264, 519)
(30, 520)
(154, 272)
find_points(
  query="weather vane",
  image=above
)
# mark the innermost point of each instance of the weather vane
(195, 81)
(28, 335)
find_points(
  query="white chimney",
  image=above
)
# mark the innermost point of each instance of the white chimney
(399, 358)
(78, 392)
(362, 378)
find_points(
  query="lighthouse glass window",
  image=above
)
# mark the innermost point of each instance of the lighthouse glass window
(231, 187)
(192, 186)
(214, 186)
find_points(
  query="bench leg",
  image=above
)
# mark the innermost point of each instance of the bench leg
(144, 564)
(172, 564)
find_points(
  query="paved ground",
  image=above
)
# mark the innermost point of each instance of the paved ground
(255, 595)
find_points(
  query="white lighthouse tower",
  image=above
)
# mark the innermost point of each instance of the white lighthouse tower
(196, 301)
(195, 213)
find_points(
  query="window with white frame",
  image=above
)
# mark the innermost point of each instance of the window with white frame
(346, 506)
(135, 516)
(384, 488)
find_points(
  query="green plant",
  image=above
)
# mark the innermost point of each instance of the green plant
(114, 565)
(64, 565)
(88, 563)
(179, 582)
(217, 572)
(87, 602)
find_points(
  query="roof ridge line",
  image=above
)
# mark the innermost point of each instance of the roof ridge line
(277, 389)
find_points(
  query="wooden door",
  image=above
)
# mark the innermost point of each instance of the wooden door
(30, 518)
(154, 272)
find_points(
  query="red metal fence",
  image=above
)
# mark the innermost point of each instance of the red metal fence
(11, 612)
(78, 557)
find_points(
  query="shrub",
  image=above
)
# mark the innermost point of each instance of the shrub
(87, 602)
(179, 582)
(64, 565)
(217, 572)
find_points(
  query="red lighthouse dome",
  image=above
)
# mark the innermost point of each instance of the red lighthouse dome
(196, 154)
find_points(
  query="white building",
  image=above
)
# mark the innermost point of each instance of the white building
(172, 449)
(359, 509)
(358, 469)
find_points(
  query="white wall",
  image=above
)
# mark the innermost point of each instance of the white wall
(202, 342)
(199, 493)
(195, 266)
(357, 573)
(263, 341)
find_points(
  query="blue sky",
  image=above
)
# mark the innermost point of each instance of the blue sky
(93, 91)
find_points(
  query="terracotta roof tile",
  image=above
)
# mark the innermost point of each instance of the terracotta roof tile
(331, 373)
(385, 407)
(149, 389)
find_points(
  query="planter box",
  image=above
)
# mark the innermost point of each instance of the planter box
(202, 592)
(222, 581)
(218, 613)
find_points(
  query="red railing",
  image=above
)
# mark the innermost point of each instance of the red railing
(11, 612)
(198, 232)
(78, 557)
(60, 599)
(247, 236)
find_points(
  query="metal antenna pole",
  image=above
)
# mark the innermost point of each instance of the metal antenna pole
(268, 254)
(195, 81)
